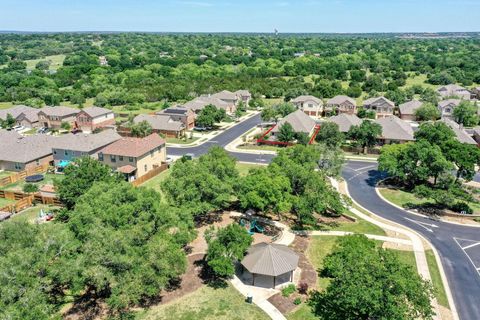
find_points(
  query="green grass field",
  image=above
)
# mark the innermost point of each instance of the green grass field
(30, 214)
(4, 174)
(6, 105)
(206, 304)
(436, 279)
(5, 202)
(182, 141)
(260, 147)
(244, 168)
(48, 179)
(56, 61)
(360, 226)
(401, 198)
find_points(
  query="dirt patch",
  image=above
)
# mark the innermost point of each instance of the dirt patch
(285, 304)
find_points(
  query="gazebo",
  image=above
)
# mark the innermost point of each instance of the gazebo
(269, 259)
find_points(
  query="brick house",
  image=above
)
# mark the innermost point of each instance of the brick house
(91, 118)
(341, 104)
(53, 117)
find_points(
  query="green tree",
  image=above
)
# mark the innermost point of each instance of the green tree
(331, 159)
(464, 156)
(268, 114)
(330, 135)
(30, 188)
(225, 247)
(210, 115)
(302, 138)
(284, 109)
(365, 135)
(141, 129)
(9, 122)
(79, 177)
(66, 126)
(466, 114)
(434, 132)
(286, 133)
(427, 112)
(369, 282)
(366, 114)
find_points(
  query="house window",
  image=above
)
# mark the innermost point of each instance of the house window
(100, 157)
(152, 153)
(54, 151)
(120, 158)
(65, 152)
(37, 162)
(130, 159)
(18, 166)
(113, 158)
(146, 168)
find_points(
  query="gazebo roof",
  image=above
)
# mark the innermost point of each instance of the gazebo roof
(270, 259)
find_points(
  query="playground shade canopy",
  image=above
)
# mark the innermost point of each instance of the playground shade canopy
(270, 259)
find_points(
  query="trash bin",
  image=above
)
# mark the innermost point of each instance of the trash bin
(249, 298)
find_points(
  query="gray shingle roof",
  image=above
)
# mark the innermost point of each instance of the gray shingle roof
(302, 99)
(270, 259)
(341, 99)
(346, 121)
(408, 108)
(460, 133)
(225, 95)
(86, 142)
(16, 111)
(299, 121)
(394, 128)
(96, 111)
(376, 100)
(202, 102)
(454, 102)
(59, 111)
(25, 149)
(243, 93)
(160, 122)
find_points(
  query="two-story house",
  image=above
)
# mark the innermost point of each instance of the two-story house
(341, 104)
(69, 147)
(311, 105)
(381, 106)
(184, 115)
(134, 157)
(453, 90)
(53, 117)
(92, 118)
(244, 95)
(446, 107)
(23, 115)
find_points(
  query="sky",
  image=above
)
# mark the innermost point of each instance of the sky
(322, 16)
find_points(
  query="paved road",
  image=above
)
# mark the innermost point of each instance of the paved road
(458, 246)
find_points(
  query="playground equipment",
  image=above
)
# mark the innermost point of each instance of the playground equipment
(253, 226)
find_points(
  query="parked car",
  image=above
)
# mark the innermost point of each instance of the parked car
(169, 161)
(42, 130)
(18, 128)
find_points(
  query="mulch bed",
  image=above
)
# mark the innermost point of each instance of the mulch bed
(308, 276)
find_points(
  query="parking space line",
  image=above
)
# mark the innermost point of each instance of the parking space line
(470, 259)
(470, 246)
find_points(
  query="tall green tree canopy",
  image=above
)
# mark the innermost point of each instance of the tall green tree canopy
(330, 135)
(365, 135)
(368, 282)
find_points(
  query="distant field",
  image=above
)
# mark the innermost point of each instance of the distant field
(56, 61)
(5, 105)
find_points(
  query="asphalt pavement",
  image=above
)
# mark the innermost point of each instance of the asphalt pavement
(458, 246)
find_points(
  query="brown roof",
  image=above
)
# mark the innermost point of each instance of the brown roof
(299, 121)
(394, 128)
(409, 107)
(20, 149)
(270, 259)
(59, 111)
(341, 99)
(126, 169)
(158, 122)
(134, 147)
(96, 111)
(346, 121)
(16, 111)
(302, 99)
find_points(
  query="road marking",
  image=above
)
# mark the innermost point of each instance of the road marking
(423, 224)
(470, 259)
(367, 167)
(472, 245)
(262, 160)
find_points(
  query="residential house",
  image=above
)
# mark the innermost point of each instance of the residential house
(459, 131)
(453, 90)
(311, 105)
(395, 130)
(134, 157)
(23, 115)
(381, 106)
(345, 121)
(184, 115)
(244, 95)
(227, 96)
(407, 109)
(342, 104)
(446, 107)
(92, 118)
(198, 104)
(299, 121)
(165, 125)
(476, 93)
(53, 117)
(18, 153)
(69, 147)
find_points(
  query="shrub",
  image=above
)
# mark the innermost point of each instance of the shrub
(288, 290)
(303, 288)
(462, 207)
(297, 301)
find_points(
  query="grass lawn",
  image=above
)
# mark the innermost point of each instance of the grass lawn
(56, 61)
(48, 179)
(5, 105)
(406, 257)
(30, 214)
(155, 182)
(260, 147)
(182, 141)
(4, 174)
(401, 198)
(208, 304)
(5, 202)
(302, 312)
(360, 226)
(244, 168)
(436, 279)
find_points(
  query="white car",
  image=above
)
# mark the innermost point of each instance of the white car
(169, 161)
(18, 128)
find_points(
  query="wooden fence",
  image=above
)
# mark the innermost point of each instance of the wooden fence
(150, 174)
(23, 200)
(23, 174)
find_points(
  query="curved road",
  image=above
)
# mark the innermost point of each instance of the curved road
(458, 246)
